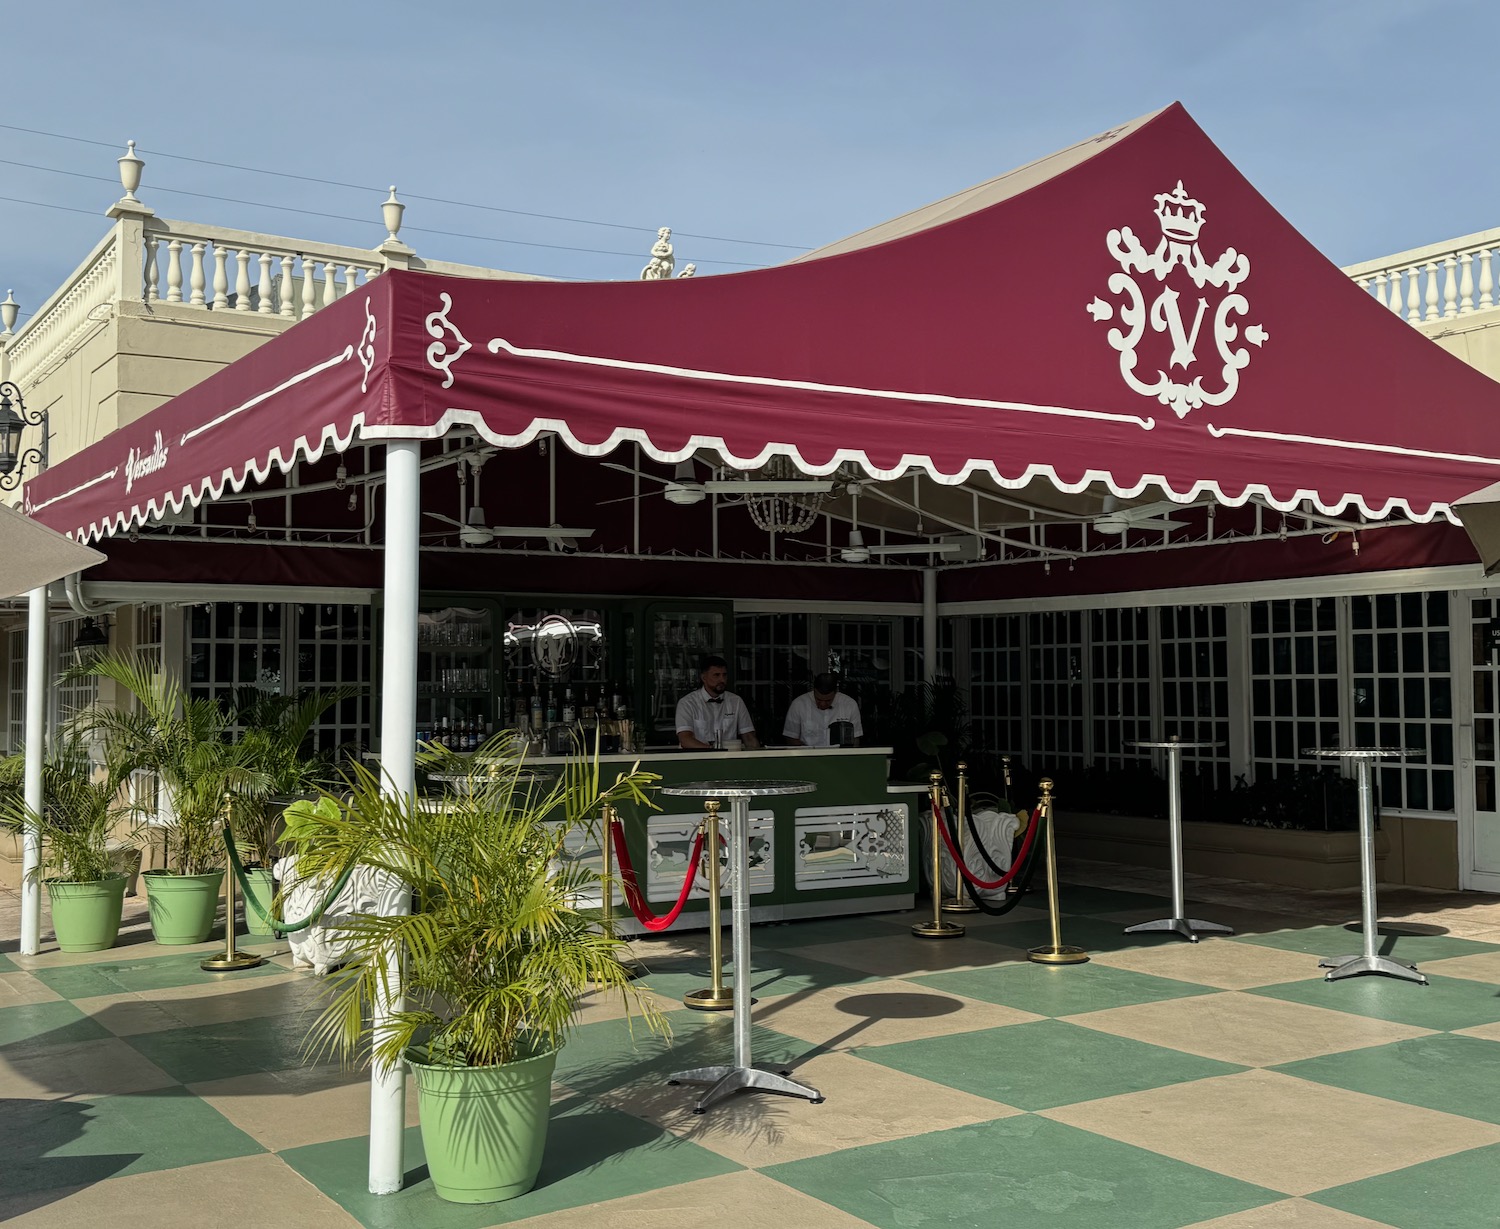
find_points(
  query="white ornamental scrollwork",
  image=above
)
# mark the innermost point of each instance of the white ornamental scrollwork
(366, 348)
(439, 356)
(1181, 275)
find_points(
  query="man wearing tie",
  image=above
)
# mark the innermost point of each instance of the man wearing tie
(713, 715)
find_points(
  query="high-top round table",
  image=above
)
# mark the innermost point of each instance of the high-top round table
(1179, 923)
(1368, 960)
(741, 1074)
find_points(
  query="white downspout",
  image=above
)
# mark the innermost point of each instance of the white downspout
(35, 735)
(398, 739)
(929, 625)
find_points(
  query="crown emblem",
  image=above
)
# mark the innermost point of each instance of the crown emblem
(1181, 216)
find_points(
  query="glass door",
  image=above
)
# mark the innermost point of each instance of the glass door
(455, 675)
(1479, 752)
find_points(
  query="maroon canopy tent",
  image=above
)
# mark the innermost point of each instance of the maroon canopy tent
(1129, 312)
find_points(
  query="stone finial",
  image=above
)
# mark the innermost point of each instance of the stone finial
(9, 310)
(130, 171)
(391, 212)
(688, 270)
(659, 267)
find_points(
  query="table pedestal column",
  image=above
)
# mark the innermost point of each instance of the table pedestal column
(1368, 960)
(725, 1080)
(1179, 923)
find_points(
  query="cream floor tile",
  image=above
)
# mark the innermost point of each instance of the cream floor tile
(1487, 1032)
(21, 989)
(287, 1109)
(1277, 1131)
(252, 1190)
(745, 1200)
(101, 1068)
(1482, 967)
(866, 1104)
(842, 1018)
(904, 955)
(1216, 962)
(1245, 1028)
(1290, 1214)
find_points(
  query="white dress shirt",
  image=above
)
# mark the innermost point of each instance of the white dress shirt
(714, 720)
(808, 723)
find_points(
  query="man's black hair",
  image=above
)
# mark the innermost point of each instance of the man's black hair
(826, 684)
(709, 661)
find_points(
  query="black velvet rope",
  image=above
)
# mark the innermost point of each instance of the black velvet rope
(1022, 879)
(978, 840)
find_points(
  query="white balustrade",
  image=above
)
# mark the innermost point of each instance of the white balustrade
(1438, 282)
(306, 278)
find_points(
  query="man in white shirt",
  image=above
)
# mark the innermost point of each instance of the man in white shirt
(810, 714)
(713, 715)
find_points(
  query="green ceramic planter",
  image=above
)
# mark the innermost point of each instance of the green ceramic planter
(484, 1128)
(182, 907)
(262, 888)
(86, 916)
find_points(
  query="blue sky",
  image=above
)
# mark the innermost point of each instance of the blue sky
(1367, 122)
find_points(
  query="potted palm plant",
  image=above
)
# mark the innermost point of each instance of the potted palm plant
(496, 952)
(185, 741)
(83, 804)
(277, 741)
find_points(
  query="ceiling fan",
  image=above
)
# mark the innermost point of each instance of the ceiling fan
(684, 487)
(1115, 520)
(474, 532)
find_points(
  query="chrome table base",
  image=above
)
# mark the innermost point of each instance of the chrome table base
(727, 1080)
(1188, 927)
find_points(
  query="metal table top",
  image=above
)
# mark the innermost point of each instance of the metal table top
(737, 789)
(1169, 744)
(1368, 753)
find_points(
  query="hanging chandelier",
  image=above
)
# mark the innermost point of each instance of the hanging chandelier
(785, 512)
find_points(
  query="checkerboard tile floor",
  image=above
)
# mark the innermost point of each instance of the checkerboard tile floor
(1222, 1084)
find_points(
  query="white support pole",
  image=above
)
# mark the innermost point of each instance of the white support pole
(35, 735)
(929, 625)
(398, 736)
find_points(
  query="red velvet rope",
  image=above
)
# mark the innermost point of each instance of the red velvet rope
(633, 895)
(990, 884)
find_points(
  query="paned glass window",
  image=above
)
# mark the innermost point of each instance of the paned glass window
(1294, 682)
(333, 649)
(1195, 685)
(997, 699)
(1120, 649)
(1055, 689)
(773, 666)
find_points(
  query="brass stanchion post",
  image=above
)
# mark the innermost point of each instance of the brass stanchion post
(959, 902)
(1055, 952)
(937, 928)
(715, 997)
(609, 817)
(231, 961)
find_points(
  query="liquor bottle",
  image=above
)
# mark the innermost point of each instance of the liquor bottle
(617, 706)
(551, 707)
(481, 731)
(536, 713)
(444, 738)
(569, 713)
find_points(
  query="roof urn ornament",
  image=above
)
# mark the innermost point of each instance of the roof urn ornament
(130, 171)
(659, 268)
(390, 213)
(9, 310)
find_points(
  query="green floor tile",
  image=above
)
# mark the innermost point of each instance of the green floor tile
(1445, 1003)
(606, 1055)
(1452, 1192)
(1092, 934)
(772, 973)
(45, 1024)
(593, 1154)
(136, 976)
(1060, 990)
(7, 965)
(1043, 1064)
(1346, 941)
(784, 935)
(1458, 1075)
(1075, 899)
(52, 1144)
(235, 1047)
(1023, 1172)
